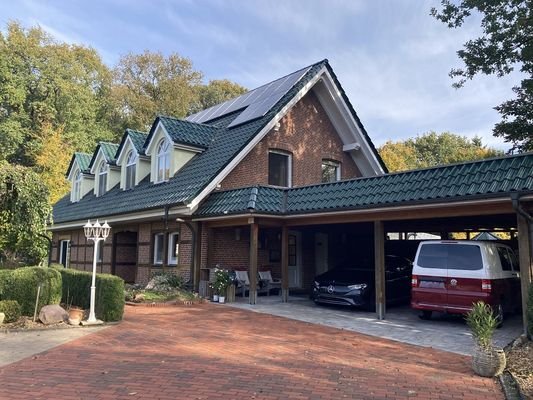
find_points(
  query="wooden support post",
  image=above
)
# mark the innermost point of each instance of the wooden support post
(284, 264)
(252, 270)
(379, 260)
(526, 266)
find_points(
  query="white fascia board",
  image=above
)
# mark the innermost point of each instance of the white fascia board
(355, 129)
(126, 218)
(192, 149)
(193, 205)
(156, 136)
(97, 161)
(125, 150)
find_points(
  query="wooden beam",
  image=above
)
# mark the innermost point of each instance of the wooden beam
(284, 264)
(221, 223)
(252, 269)
(524, 251)
(379, 260)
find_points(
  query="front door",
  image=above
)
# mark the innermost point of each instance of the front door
(295, 263)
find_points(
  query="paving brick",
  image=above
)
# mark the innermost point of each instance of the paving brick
(213, 352)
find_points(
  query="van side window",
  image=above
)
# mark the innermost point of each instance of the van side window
(505, 259)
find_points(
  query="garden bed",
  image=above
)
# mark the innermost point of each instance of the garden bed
(520, 365)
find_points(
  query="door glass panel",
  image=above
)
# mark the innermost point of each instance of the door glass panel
(505, 259)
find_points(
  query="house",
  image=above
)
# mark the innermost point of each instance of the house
(283, 178)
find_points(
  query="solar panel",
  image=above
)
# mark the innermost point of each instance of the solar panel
(257, 102)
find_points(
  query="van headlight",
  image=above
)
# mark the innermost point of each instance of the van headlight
(317, 285)
(359, 286)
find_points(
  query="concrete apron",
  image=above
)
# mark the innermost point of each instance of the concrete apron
(443, 332)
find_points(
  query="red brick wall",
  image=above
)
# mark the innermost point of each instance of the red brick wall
(307, 133)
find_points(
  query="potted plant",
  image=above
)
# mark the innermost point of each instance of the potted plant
(487, 360)
(221, 283)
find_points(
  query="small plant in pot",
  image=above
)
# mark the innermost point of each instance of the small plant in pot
(221, 283)
(487, 360)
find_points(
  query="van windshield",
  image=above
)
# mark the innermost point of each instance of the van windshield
(450, 256)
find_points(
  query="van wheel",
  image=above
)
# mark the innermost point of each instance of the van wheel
(498, 311)
(426, 315)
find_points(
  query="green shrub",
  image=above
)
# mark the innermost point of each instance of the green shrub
(11, 308)
(109, 292)
(530, 310)
(4, 273)
(482, 322)
(21, 285)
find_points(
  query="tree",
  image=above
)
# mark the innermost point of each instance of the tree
(432, 149)
(52, 161)
(505, 44)
(215, 92)
(43, 82)
(24, 211)
(149, 84)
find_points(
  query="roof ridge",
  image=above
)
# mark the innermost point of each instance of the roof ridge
(186, 121)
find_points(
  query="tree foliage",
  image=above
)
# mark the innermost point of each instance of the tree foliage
(432, 149)
(24, 211)
(215, 92)
(505, 44)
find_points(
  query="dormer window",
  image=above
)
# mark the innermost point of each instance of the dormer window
(76, 187)
(163, 161)
(102, 179)
(131, 163)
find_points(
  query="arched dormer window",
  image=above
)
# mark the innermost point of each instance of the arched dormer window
(163, 161)
(131, 163)
(76, 188)
(102, 179)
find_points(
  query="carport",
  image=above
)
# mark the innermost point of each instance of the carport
(492, 195)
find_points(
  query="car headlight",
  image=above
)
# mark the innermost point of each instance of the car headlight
(317, 285)
(359, 286)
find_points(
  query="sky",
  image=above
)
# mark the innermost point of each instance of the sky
(391, 57)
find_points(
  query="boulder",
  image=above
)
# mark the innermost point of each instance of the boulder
(52, 314)
(2, 317)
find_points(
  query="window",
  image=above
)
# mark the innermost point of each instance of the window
(331, 171)
(159, 244)
(130, 170)
(450, 256)
(63, 252)
(76, 189)
(99, 251)
(102, 179)
(173, 248)
(279, 169)
(163, 161)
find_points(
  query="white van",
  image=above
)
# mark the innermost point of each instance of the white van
(449, 276)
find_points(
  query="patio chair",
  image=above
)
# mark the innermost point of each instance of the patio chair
(271, 283)
(243, 282)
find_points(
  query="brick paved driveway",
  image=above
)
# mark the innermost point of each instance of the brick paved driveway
(216, 352)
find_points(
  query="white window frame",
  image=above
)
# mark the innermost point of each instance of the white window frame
(335, 164)
(63, 243)
(131, 165)
(102, 179)
(157, 250)
(76, 186)
(173, 260)
(162, 161)
(99, 251)
(289, 166)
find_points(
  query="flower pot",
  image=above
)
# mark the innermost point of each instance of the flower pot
(221, 299)
(75, 315)
(488, 362)
(215, 298)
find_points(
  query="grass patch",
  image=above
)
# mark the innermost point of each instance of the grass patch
(154, 296)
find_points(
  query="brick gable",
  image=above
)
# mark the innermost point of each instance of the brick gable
(308, 134)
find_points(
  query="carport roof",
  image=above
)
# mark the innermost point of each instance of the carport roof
(479, 179)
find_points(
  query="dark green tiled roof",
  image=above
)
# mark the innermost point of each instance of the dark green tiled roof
(108, 149)
(83, 160)
(224, 145)
(480, 179)
(138, 139)
(185, 132)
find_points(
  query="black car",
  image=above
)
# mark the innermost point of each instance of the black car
(354, 285)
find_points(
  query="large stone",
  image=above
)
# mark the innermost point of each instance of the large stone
(52, 314)
(2, 316)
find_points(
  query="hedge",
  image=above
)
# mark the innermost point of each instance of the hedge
(11, 309)
(530, 310)
(109, 292)
(21, 285)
